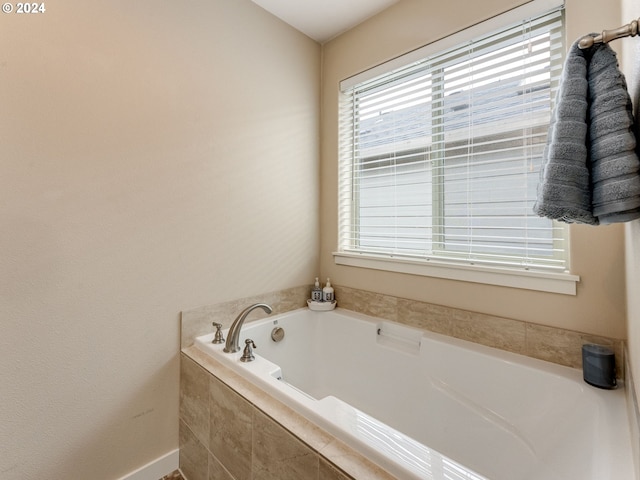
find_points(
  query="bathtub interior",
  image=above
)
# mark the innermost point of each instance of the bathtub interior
(496, 413)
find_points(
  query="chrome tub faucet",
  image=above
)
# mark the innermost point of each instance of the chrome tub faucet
(233, 337)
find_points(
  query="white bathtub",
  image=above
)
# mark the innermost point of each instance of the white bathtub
(426, 406)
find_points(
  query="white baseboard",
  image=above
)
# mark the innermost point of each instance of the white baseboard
(156, 469)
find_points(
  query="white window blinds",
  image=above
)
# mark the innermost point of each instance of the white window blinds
(440, 159)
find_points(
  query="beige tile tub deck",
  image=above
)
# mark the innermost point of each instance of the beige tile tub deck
(272, 442)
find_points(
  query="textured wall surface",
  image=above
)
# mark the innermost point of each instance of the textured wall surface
(154, 157)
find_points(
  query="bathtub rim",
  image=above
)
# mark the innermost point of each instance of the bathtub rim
(569, 373)
(322, 412)
(348, 460)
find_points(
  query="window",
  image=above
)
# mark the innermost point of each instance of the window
(440, 158)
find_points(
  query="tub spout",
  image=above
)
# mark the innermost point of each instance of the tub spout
(233, 337)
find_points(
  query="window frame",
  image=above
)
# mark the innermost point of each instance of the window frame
(548, 281)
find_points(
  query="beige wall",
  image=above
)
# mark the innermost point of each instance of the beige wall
(155, 157)
(597, 252)
(630, 60)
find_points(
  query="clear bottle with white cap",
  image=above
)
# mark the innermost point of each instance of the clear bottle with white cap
(316, 292)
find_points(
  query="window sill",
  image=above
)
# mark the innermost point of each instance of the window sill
(563, 283)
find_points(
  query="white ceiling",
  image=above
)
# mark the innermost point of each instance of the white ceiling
(324, 19)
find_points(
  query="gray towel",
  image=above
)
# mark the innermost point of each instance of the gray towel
(590, 172)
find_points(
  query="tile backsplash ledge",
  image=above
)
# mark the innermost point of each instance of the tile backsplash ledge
(197, 322)
(552, 344)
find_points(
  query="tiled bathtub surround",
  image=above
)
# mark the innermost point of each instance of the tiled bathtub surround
(228, 432)
(231, 430)
(546, 343)
(197, 322)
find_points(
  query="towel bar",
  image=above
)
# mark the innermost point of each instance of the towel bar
(628, 30)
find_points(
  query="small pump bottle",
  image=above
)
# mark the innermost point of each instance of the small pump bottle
(316, 292)
(327, 292)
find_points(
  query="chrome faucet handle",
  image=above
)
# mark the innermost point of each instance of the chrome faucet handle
(247, 355)
(218, 338)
